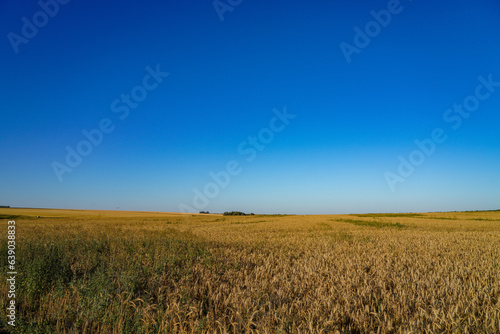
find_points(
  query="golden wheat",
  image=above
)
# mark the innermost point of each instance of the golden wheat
(140, 272)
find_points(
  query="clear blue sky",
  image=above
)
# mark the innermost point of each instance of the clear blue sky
(353, 119)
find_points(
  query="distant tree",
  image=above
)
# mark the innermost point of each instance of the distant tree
(234, 213)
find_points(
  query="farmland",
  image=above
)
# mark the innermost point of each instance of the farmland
(147, 272)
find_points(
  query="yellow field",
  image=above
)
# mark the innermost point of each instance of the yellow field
(147, 272)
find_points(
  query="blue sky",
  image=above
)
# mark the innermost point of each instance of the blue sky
(352, 120)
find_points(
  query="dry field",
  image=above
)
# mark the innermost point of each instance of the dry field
(147, 272)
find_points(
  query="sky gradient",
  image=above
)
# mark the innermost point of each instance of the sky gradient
(229, 83)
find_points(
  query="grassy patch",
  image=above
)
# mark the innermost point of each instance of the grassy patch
(478, 211)
(16, 217)
(376, 215)
(371, 223)
(106, 279)
(477, 219)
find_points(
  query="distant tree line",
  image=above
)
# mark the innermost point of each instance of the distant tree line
(205, 212)
(237, 213)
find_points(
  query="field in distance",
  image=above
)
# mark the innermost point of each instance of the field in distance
(146, 272)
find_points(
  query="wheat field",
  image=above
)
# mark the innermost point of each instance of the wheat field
(147, 272)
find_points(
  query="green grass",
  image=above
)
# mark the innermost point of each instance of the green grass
(453, 218)
(376, 215)
(371, 223)
(16, 217)
(90, 275)
(419, 215)
(478, 211)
